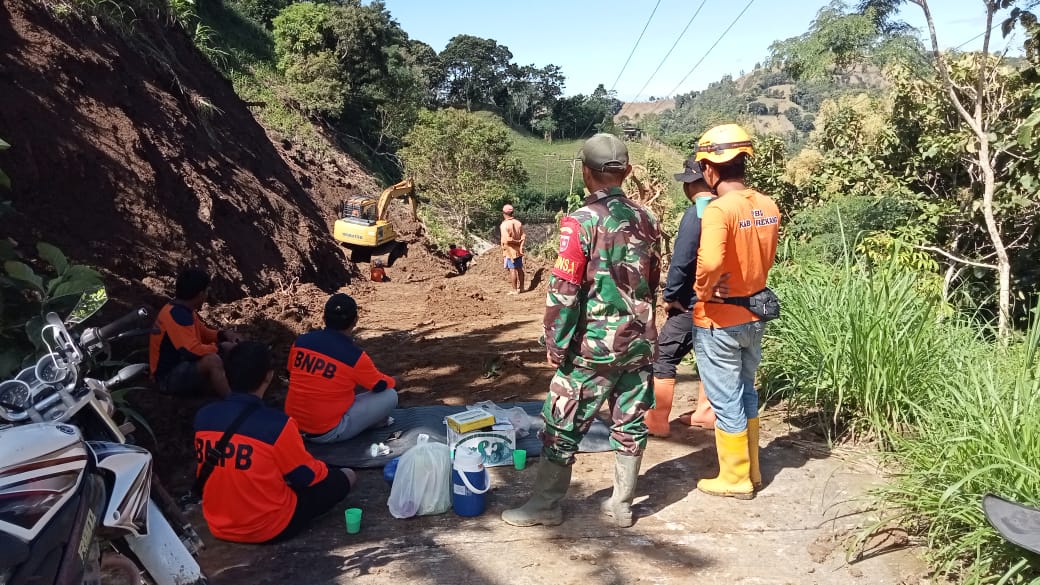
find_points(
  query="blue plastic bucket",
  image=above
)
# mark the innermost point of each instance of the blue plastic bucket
(470, 484)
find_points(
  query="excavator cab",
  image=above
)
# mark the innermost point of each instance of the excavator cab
(360, 209)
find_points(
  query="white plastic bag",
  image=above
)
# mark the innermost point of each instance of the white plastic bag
(516, 416)
(422, 483)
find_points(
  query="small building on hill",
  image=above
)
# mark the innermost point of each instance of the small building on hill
(632, 132)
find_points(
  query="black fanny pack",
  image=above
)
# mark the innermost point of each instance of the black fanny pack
(764, 304)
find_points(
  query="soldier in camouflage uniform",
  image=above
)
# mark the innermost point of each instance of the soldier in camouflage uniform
(599, 334)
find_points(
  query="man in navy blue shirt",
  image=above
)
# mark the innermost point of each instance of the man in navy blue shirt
(675, 340)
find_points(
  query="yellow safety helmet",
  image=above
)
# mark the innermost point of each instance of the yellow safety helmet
(723, 143)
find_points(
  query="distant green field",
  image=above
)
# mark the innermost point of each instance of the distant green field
(549, 165)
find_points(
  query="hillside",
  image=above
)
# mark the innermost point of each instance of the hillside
(636, 110)
(131, 153)
(766, 100)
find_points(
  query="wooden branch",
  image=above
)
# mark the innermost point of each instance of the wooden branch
(954, 258)
(944, 72)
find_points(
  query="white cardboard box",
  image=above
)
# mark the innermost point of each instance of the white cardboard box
(495, 446)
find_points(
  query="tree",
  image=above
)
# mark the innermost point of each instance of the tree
(462, 163)
(262, 11)
(475, 71)
(839, 39)
(304, 44)
(546, 125)
(979, 107)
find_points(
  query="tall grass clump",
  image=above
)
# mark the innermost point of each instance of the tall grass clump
(860, 346)
(983, 437)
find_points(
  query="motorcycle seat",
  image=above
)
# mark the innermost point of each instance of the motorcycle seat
(13, 551)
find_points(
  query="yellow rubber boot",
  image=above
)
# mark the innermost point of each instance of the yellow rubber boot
(657, 417)
(734, 467)
(752, 443)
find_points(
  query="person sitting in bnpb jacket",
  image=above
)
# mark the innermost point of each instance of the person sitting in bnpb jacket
(326, 369)
(263, 486)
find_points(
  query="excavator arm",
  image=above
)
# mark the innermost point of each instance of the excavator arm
(405, 188)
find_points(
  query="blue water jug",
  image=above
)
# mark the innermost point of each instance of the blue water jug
(470, 483)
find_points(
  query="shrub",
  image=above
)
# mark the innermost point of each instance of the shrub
(982, 436)
(861, 347)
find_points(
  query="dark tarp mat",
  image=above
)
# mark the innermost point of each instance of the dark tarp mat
(411, 422)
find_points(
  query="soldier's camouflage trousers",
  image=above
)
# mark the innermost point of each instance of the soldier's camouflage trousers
(576, 395)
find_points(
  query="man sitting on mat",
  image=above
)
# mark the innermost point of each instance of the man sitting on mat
(325, 369)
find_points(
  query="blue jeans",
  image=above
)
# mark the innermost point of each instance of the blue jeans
(727, 359)
(369, 409)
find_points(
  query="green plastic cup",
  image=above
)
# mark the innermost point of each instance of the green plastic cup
(519, 458)
(353, 516)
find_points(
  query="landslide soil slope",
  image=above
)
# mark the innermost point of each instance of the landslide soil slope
(134, 155)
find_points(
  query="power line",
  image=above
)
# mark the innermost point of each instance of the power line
(978, 36)
(633, 51)
(712, 48)
(679, 38)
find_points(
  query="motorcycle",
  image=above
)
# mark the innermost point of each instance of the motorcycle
(77, 499)
(1016, 523)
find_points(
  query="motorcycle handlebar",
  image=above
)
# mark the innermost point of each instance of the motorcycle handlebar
(132, 320)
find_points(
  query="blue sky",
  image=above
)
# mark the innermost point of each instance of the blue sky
(591, 39)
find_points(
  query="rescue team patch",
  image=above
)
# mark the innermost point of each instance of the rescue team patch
(570, 264)
(760, 219)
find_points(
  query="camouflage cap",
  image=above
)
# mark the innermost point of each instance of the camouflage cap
(605, 152)
(692, 171)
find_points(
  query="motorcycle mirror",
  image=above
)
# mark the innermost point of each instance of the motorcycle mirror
(89, 303)
(126, 374)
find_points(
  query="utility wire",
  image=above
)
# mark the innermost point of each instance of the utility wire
(712, 48)
(978, 36)
(679, 38)
(633, 51)
(592, 122)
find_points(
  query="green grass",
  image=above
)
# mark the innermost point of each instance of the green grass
(549, 165)
(860, 346)
(983, 436)
(870, 352)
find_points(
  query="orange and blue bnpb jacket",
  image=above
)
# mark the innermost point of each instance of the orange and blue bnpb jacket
(739, 235)
(324, 368)
(251, 494)
(182, 336)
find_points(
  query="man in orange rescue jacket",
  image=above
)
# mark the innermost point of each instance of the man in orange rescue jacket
(325, 369)
(266, 487)
(739, 232)
(184, 354)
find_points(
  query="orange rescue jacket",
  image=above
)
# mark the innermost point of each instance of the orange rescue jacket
(739, 235)
(324, 368)
(182, 336)
(251, 497)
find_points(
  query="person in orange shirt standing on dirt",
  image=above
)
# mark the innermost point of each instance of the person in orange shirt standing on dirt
(739, 233)
(513, 238)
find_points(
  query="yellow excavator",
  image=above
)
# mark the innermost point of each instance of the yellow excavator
(364, 225)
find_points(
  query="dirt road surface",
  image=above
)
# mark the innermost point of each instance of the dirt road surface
(456, 340)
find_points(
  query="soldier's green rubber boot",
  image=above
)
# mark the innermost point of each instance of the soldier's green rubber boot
(544, 506)
(619, 505)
